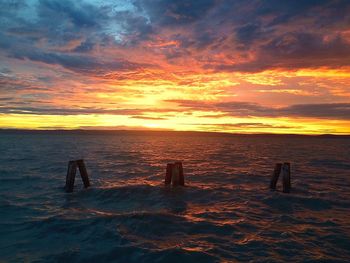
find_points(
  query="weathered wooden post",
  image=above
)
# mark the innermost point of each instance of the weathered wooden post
(83, 173)
(181, 173)
(283, 169)
(168, 173)
(286, 177)
(275, 176)
(72, 170)
(174, 174)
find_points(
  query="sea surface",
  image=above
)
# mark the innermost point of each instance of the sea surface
(225, 213)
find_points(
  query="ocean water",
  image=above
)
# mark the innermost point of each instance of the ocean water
(225, 213)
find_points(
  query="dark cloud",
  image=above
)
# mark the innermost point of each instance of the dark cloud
(268, 34)
(67, 111)
(12, 84)
(294, 51)
(85, 46)
(246, 125)
(246, 109)
(303, 50)
(307, 46)
(255, 125)
(5, 42)
(26, 107)
(173, 13)
(246, 34)
(280, 34)
(284, 11)
(10, 7)
(82, 15)
(58, 23)
(136, 28)
(275, 34)
(79, 63)
(329, 111)
(5, 99)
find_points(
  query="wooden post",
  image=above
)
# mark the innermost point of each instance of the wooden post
(174, 174)
(83, 173)
(276, 174)
(168, 173)
(181, 174)
(72, 170)
(286, 177)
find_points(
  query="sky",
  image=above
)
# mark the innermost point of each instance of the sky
(241, 66)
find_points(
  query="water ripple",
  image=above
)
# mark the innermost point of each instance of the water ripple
(226, 213)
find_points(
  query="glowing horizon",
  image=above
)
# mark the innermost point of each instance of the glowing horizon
(224, 66)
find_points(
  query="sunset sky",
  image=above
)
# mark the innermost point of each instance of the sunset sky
(203, 65)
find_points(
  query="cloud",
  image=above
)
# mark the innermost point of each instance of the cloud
(85, 46)
(297, 50)
(81, 15)
(80, 63)
(173, 13)
(135, 54)
(137, 113)
(248, 36)
(248, 33)
(66, 33)
(247, 109)
(246, 125)
(67, 111)
(329, 111)
(147, 117)
(10, 84)
(120, 128)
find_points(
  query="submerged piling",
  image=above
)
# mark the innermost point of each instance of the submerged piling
(168, 173)
(275, 176)
(286, 177)
(283, 169)
(71, 172)
(174, 174)
(83, 173)
(181, 173)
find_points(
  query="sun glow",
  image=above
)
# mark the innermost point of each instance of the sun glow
(190, 102)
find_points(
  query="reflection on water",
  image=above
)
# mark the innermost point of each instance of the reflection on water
(225, 212)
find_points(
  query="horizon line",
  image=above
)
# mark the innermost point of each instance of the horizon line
(169, 131)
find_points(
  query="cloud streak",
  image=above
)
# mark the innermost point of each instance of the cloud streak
(244, 109)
